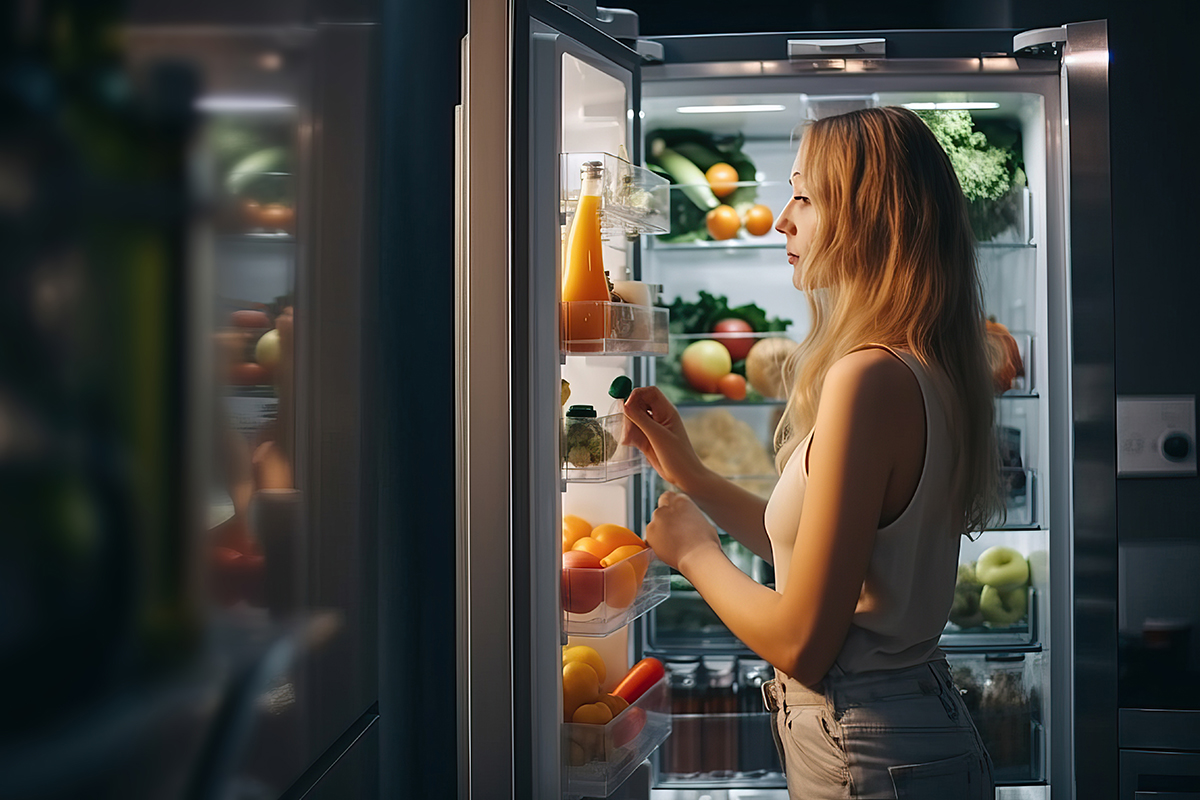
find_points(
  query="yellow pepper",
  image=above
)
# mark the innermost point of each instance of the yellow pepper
(597, 713)
(581, 685)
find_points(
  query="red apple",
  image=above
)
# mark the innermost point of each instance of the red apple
(705, 362)
(738, 346)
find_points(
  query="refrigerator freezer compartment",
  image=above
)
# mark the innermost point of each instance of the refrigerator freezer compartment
(621, 593)
(633, 200)
(600, 757)
(726, 751)
(592, 453)
(599, 327)
(1000, 692)
(979, 635)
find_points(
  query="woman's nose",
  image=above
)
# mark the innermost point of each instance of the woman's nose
(782, 223)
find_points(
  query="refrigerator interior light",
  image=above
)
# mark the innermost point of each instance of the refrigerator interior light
(734, 109)
(953, 106)
(243, 103)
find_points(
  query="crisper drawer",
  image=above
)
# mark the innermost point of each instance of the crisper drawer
(1001, 692)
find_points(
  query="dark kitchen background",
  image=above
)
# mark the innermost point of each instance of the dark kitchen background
(104, 218)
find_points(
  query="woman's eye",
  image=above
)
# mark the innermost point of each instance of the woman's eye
(801, 198)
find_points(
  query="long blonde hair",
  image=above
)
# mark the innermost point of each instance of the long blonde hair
(892, 262)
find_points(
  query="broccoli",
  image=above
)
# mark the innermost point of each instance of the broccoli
(988, 165)
(586, 443)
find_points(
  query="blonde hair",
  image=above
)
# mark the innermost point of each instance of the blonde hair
(892, 262)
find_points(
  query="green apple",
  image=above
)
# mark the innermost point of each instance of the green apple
(964, 611)
(1002, 567)
(1002, 606)
(267, 351)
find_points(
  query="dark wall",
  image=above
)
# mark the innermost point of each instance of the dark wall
(1155, 167)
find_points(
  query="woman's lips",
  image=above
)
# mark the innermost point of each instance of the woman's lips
(792, 259)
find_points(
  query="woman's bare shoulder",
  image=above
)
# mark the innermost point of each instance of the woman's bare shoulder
(876, 380)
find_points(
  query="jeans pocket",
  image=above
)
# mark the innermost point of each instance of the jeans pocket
(957, 777)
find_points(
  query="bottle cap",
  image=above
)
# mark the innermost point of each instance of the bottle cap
(581, 411)
(591, 169)
(620, 387)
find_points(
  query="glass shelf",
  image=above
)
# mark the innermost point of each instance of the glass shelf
(633, 200)
(600, 757)
(739, 243)
(622, 593)
(596, 327)
(1020, 493)
(740, 746)
(1021, 636)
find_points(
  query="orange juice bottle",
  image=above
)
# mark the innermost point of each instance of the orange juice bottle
(584, 282)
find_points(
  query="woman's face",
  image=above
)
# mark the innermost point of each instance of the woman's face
(798, 222)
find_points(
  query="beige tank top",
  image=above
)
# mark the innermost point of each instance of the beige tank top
(906, 596)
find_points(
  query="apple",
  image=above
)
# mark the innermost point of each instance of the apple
(705, 362)
(266, 352)
(1002, 606)
(582, 581)
(1002, 567)
(738, 346)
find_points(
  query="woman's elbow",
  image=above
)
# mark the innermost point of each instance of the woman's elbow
(810, 665)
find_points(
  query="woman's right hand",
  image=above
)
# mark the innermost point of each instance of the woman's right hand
(657, 430)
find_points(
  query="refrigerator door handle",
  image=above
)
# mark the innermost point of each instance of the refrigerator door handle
(852, 48)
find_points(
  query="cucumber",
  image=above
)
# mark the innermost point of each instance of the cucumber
(703, 157)
(688, 175)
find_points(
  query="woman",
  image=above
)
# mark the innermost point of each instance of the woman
(886, 457)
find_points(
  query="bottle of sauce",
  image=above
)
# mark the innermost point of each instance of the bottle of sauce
(681, 753)
(584, 281)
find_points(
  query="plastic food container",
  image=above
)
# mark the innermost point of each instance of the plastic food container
(600, 757)
(621, 593)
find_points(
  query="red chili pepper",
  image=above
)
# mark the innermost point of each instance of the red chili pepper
(640, 677)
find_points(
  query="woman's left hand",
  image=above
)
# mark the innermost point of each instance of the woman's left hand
(678, 528)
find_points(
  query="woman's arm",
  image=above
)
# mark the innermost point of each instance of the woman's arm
(734, 510)
(866, 403)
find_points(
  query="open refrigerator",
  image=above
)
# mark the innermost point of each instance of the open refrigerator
(546, 89)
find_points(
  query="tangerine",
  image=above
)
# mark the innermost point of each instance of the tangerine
(621, 585)
(722, 222)
(759, 220)
(722, 179)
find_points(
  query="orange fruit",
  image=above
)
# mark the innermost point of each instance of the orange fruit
(616, 536)
(722, 179)
(621, 585)
(573, 529)
(732, 386)
(624, 552)
(590, 545)
(759, 220)
(722, 222)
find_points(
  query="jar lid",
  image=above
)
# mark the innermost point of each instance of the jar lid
(581, 411)
(620, 387)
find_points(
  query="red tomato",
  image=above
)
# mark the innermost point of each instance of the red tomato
(248, 318)
(582, 582)
(640, 678)
(249, 374)
(732, 386)
(738, 346)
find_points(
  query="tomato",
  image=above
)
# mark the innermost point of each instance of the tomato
(249, 318)
(249, 374)
(639, 679)
(722, 222)
(759, 220)
(733, 386)
(722, 179)
(582, 582)
(739, 344)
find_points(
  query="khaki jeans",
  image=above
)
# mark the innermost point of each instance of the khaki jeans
(895, 734)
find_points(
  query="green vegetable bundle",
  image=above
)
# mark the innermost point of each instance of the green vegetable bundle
(986, 156)
(682, 156)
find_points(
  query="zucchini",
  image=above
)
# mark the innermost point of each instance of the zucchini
(703, 157)
(688, 175)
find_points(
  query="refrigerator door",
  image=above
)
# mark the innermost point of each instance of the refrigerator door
(529, 70)
(1084, 707)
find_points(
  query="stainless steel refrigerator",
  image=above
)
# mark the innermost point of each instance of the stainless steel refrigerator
(546, 89)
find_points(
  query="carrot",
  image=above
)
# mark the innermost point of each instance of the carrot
(640, 677)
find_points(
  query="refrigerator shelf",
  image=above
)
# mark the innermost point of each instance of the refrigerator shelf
(1020, 493)
(738, 243)
(624, 329)
(600, 757)
(1021, 636)
(584, 440)
(1022, 385)
(633, 200)
(622, 592)
(729, 750)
